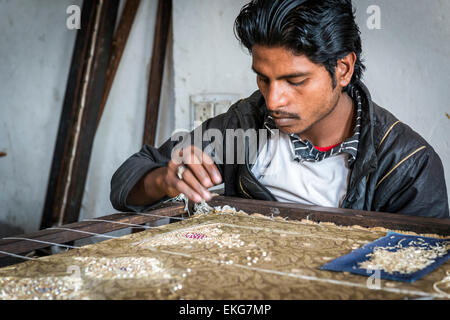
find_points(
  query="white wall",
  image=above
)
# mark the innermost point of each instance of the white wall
(35, 54)
(407, 74)
(207, 56)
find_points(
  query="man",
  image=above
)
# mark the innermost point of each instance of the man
(329, 143)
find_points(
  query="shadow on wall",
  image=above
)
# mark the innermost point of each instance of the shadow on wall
(7, 230)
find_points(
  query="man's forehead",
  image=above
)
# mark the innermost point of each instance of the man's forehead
(280, 61)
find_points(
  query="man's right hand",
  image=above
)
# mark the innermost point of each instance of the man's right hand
(200, 174)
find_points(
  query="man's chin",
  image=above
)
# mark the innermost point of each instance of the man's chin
(290, 129)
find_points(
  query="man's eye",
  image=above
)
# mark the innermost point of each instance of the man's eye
(296, 84)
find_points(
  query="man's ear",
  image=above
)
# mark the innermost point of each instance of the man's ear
(344, 69)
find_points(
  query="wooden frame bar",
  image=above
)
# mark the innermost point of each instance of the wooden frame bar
(174, 209)
(290, 211)
(342, 217)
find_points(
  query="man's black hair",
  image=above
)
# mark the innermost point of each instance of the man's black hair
(323, 30)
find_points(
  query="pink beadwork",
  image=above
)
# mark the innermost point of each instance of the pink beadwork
(195, 235)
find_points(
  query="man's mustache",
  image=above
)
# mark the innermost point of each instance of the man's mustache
(283, 114)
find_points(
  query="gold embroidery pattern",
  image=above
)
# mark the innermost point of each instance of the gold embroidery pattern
(246, 257)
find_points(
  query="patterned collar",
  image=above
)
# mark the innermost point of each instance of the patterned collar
(305, 151)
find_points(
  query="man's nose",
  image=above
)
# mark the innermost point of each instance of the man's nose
(275, 98)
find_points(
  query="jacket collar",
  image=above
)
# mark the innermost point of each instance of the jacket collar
(366, 160)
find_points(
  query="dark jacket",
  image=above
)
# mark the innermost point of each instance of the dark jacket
(395, 171)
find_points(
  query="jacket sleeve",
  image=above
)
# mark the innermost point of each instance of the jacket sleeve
(150, 158)
(133, 170)
(417, 187)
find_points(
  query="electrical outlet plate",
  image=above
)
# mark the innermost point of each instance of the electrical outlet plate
(203, 111)
(205, 106)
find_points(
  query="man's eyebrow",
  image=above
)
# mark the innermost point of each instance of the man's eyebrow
(287, 76)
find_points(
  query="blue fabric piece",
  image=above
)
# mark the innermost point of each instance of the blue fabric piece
(350, 261)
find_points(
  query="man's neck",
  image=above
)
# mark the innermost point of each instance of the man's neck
(335, 127)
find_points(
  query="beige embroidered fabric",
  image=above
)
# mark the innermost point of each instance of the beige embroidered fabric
(214, 256)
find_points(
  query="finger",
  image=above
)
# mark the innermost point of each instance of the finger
(173, 165)
(211, 168)
(190, 155)
(193, 159)
(177, 186)
(190, 179)
(208, 170)
(183, 187)
(177, 156)
(199, 172)
(201, 175)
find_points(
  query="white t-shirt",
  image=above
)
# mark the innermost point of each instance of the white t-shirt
(323, 183)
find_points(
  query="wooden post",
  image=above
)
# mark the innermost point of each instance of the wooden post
(160, 40)
(79, 115)
(118, 46)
